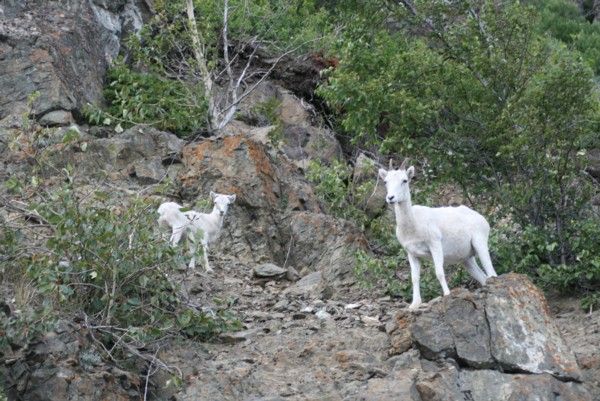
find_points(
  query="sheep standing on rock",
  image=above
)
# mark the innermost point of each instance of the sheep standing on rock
(447, 235)
(192, 223)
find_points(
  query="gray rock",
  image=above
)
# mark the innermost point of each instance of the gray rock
(470, 331)
(304, 137)
(523, 336)
(292, 274)
(365, 171)
(483, 385)
(56, 118)
(238, 336)
(310, 286)
(141, 151)
(148, 171)
(60, 50)
(433, 335)
(269, 270)
(301, 144)
(400, 387)
(322, 242)
(504, 327)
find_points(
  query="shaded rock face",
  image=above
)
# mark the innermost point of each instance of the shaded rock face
(498, 343)
(60, 50)
(142, 153)
(64, 365)
(365, 170)
(276, 217)
(303, 137)
(581, 330)
(326, 244)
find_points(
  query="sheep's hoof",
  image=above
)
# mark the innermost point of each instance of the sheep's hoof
(414, 306)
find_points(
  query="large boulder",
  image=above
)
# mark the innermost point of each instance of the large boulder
(498, 343)
(320, 242)
(59, 50)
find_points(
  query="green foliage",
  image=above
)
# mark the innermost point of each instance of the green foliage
(333, 184)
(149, 98)
(561, 19)
(269, 111)
(106, 264)
(476, 91)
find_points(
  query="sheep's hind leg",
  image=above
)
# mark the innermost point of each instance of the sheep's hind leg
(437, 254)
(475, 271)
(481, 248)
(415, 275)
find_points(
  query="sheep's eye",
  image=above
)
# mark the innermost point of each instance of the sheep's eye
(404, 181)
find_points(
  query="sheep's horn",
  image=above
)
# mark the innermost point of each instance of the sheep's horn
(391, 164)
(403, 165)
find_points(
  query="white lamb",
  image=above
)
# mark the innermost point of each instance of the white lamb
(447, 235)
(194, 224)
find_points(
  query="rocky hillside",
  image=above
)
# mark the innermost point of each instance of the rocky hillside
(283, 266)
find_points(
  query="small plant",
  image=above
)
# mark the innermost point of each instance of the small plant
(148, 98)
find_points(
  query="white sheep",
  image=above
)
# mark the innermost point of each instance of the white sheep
(447, 235)
(192, 223)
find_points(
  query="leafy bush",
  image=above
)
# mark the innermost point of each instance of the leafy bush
(148, 98)
(562, 20)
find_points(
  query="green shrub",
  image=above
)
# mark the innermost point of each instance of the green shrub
(148, 98)
(162, 84)
(563, 20)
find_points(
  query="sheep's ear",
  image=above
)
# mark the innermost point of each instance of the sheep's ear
(410, 172)
(231, 198)
(212, 195)
(382, 173)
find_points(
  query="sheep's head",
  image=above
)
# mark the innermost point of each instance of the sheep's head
(396, 182)
(168, 213)
(222, 202)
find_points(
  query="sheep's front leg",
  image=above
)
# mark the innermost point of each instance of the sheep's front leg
(205, 251)
(437, 254)
(193, 249)
(415, 275)
(176, 235)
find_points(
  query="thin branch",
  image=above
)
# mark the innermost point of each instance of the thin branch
(229, 110)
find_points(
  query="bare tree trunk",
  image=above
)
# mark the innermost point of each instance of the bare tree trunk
(200, 56)
(223, 106)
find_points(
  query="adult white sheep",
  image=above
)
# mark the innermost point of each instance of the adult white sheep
(447, 235)
(203, 227)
